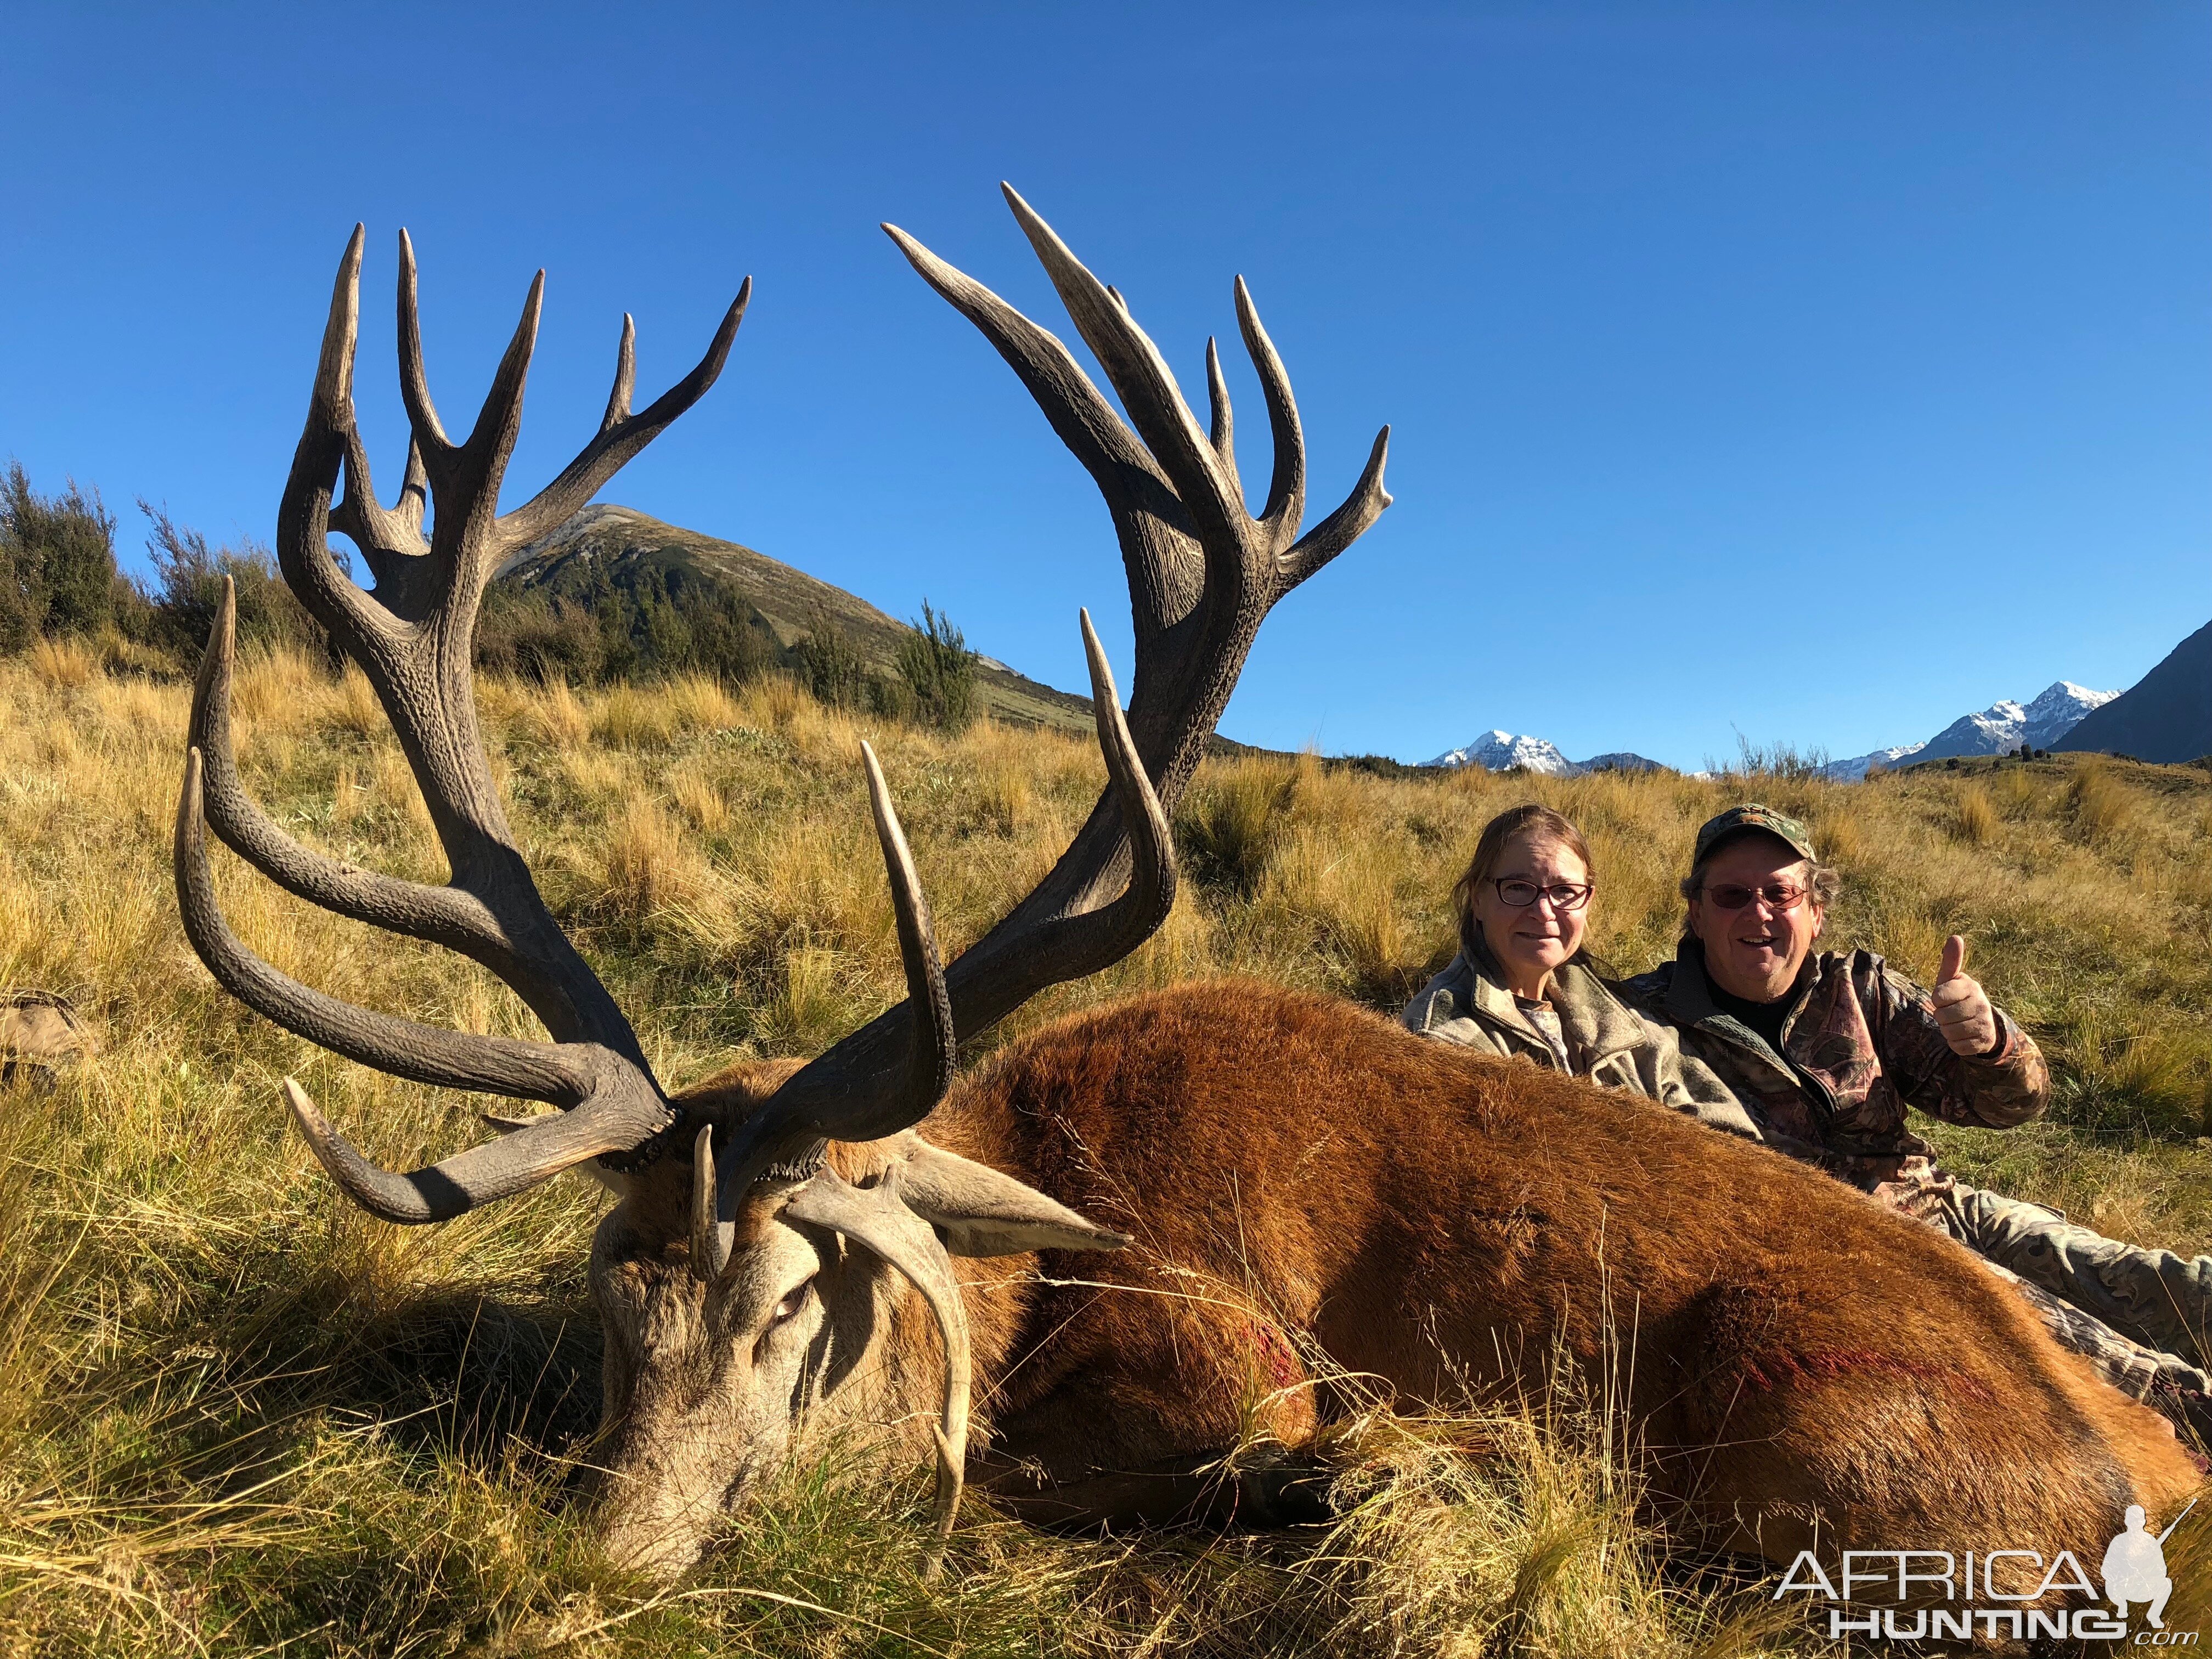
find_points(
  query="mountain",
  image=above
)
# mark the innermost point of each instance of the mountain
(1499, 751)
(1495, 751)
(2165, 716)
(2005, 726)
(2002, 725)
(784, 602)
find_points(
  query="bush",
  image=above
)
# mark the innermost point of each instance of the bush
(58, 572)
(940, 668)
(829, 665)
(180, 605)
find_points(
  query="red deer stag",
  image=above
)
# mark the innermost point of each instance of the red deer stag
(1288, 1178)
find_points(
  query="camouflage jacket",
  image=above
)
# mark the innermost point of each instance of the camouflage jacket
(1610, 1044)
(1859, 1045)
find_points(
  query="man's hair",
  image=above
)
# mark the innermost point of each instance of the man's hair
(1822, 879)
(1538, 822)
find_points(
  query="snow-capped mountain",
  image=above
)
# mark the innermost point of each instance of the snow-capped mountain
(1497, 752)
(2002, 725)
(1494, 751)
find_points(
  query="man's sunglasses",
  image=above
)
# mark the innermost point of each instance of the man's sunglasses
(1731, 895)
(1521, 894)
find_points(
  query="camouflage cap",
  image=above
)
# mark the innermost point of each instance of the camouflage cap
(1751, 816)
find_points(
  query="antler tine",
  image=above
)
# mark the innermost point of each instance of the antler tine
(1222, 429)
(710, 1244)
(625, 378)
(441, 915)
(1343, 526)
(1126, 474)
(621, 435)
(522, 1158)
(423, 1053)
(303, 514)
(414, 381)
(930, 1064)
(480, 464)
(1286, 486)
(864, 1088)
(880, 1219)
(1148, 392)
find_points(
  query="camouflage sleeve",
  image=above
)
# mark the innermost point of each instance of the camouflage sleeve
(2010, 1085)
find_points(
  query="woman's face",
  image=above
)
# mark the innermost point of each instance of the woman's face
(1531, 940)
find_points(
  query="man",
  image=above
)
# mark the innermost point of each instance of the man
(1826, 1051)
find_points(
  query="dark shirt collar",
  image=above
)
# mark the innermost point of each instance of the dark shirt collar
(1693, 999)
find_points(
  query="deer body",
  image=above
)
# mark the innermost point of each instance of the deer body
(1134, 1230)
(1304, 1179)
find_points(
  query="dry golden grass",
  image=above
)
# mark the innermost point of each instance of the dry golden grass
(240, 1415)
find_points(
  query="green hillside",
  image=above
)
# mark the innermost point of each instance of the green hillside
(785, 606)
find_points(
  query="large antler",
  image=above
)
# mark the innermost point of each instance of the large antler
(411, 635)
(1203, 571)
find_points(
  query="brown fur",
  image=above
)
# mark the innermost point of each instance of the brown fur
(1304, 1178)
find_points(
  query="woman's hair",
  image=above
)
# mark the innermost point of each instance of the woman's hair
(1538, 823)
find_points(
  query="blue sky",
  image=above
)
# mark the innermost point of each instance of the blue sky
(1817, 372)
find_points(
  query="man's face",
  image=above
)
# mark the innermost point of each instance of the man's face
(1755, 949)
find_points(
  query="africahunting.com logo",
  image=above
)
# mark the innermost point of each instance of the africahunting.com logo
(2133, 1570)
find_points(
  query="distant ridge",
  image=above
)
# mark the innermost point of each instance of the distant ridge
(786, 600)
(2166, 716)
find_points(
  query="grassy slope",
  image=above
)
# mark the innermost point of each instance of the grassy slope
(237, 1414)
(789, 599)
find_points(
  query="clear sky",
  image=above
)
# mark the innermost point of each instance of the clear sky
(1812, 371)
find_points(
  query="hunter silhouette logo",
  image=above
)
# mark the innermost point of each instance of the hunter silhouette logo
(1949, 1586)
(2135, 1566)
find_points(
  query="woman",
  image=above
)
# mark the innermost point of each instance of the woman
(1521, 985)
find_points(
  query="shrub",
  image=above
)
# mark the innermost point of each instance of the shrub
(1781, 762)
(940, 668)
(187, 591)
(58, 572)
(829, 665)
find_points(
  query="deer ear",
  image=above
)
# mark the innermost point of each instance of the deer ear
(984, 1212)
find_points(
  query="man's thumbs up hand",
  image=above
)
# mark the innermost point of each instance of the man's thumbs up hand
(1962, 1009)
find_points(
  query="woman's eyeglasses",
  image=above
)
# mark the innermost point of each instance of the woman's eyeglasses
(1731, 895)
(1521, 893)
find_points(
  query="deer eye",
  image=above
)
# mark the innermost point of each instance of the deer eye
(793, 1300)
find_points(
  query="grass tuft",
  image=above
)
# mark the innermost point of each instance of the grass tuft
(1973, 818)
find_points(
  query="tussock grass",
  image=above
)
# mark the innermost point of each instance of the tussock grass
(1973, 816)
(239, 1416)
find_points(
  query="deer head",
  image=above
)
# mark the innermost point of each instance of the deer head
(754, 1270)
